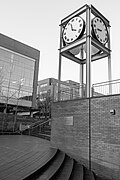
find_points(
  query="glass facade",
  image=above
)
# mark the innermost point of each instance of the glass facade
(16, 78)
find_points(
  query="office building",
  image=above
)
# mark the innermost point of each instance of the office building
(68, 89)
(19, 65)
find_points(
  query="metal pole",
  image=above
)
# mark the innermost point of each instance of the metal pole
(12, 56)
(88, 74)
(81, 74)
(19, 89)
(88, 52)
(109, 66)
(81, 79)
(35, 82)
(29, 131)
(16, 110)
(59, 77)
(60, 61)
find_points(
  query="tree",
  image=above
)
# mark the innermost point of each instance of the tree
(44, 105)
(1, 78)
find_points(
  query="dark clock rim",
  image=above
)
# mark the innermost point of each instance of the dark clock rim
(80, 35)
(93, 31)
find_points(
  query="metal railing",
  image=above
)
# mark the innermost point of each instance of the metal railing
(72, 93)
(98, 89)
(106, 88)
(42, 130)
(8, 124)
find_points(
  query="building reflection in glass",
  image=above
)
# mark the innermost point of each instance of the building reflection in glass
(13, 68)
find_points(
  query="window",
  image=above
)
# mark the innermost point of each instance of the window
(43, 85)
(43, 92)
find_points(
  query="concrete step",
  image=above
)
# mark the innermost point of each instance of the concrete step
(77, 173)
(52, 167)
(88, 175)
(65, 171)
(61, 167)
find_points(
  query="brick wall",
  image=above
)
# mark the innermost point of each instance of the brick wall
(70, 132)
(73, 139)
(105, 140)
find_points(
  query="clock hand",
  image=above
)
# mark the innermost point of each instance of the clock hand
(72, 28)
(99, 29)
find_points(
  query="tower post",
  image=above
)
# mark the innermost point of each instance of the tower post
(60, 63)
(82, 74)
(88, 52)
(109, 66)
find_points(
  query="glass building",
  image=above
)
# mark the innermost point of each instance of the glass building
(19, 65)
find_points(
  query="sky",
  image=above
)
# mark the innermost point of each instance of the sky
(36, 23)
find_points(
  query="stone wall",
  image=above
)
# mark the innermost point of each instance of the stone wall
(70, 132)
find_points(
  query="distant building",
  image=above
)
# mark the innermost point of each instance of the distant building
(47, 92)
(69, 89)
(19, 65)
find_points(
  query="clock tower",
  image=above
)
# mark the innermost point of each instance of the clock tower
(84, 38)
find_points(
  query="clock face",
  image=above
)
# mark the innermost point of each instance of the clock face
(99, 30)
(73, 30)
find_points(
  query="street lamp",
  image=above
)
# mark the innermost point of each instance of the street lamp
(11, 69)
(19, 89)
(7, 97)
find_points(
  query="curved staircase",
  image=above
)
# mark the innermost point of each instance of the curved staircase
(30, 158)
(62, 167)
